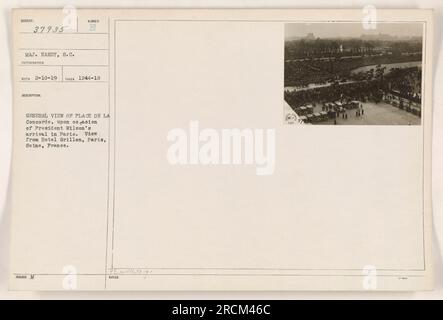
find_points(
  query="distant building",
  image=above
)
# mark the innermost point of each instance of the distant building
(310, 36)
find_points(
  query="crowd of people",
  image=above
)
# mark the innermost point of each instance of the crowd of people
(361, 91)
(401, 82)
(405, 83)
(299, 73)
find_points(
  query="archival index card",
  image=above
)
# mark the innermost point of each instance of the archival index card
(221, 150)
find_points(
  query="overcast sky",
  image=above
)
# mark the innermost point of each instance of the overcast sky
(334, 29)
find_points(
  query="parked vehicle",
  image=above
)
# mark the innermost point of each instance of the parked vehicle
(323, 116)
(316, 117)
(310, 108)
(310, 117)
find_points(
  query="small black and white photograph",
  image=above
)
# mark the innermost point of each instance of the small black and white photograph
(339, 73)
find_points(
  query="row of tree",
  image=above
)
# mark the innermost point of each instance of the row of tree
(303, 48)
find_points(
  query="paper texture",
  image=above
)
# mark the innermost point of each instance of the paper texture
(221, 150)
